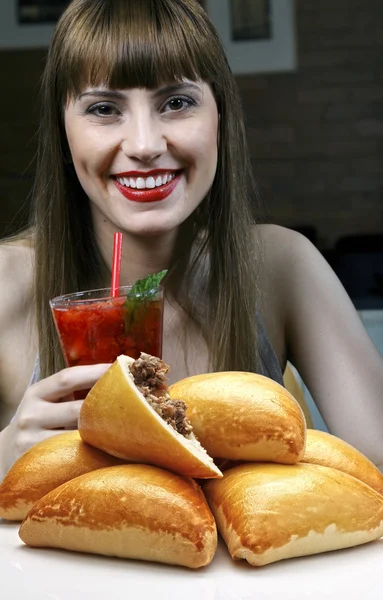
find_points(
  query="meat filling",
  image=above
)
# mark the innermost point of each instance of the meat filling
(149, 373)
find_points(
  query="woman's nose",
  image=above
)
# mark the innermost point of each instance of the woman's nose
(144, 139)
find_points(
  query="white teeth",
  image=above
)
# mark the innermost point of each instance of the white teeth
(141, 183)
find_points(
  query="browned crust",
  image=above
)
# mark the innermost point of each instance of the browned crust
(104, 512)
(268, 512)
(327, 450)
(243, 416)
(44, 467)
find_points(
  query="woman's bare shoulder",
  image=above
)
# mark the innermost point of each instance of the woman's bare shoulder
(289, 261)
(16, 275)
(279, 243)
(295, 265)
(288, 257)
(278, 246)
(16, 254)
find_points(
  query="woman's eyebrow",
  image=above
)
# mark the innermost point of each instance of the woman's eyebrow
(177, 87)
(103, 94)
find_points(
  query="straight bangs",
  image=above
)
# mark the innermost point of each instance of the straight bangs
(145, 45)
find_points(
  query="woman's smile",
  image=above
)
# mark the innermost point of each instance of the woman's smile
(151, 186)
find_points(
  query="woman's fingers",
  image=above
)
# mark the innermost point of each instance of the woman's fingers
(51, 416)
(65, 414)
(65, 382)
(47, 409)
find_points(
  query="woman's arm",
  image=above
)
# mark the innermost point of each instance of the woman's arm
(18, 341)
(329, 345)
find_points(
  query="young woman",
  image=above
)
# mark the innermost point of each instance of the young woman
(136, 95)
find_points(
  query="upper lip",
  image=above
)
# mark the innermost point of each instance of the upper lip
(151, 173)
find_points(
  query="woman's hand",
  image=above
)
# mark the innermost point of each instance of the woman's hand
(47, 408)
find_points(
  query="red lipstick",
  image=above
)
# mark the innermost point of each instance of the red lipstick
(147, 194)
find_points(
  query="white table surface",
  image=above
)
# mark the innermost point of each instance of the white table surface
(38, 574)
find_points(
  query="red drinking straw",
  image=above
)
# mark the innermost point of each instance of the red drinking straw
(116, 265)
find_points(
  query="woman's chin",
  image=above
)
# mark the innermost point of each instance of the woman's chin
(151, 230)
(154, 226)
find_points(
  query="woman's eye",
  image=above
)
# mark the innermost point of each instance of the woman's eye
(103, 109)
(179, 103)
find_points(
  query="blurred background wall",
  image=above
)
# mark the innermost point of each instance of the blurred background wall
(315, 135)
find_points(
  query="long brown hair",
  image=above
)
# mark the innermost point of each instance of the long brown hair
(126, 44)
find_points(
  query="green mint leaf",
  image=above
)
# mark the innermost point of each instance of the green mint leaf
(149, 285)
(141, 291)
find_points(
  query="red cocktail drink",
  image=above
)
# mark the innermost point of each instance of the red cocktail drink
(96, 328)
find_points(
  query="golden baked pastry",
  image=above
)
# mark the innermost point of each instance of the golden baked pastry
(268, 512)
(45, 466)
(129, 414)
(330, 451)
(243, 416)
(129, 511)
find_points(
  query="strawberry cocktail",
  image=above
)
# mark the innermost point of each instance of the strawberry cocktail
(95, 328)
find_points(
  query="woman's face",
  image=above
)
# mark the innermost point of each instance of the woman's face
(145, 158)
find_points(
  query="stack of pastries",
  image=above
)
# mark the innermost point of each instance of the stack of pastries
(153, 472)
